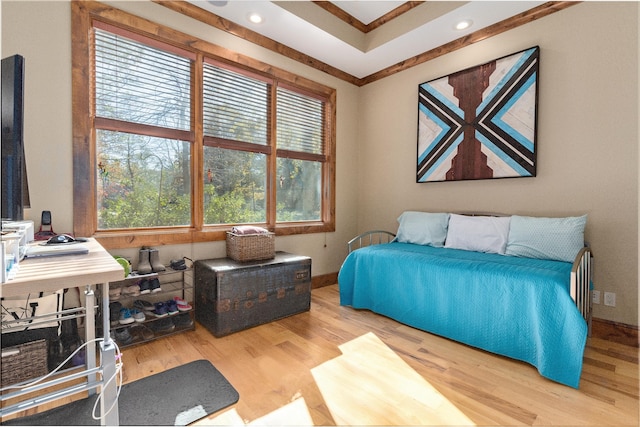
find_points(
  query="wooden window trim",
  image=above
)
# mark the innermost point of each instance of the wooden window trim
(142, 129)
(84, 16)
(211, 141)
(144, 40)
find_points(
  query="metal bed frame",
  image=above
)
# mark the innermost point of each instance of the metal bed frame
(581, 271)
(369, 238)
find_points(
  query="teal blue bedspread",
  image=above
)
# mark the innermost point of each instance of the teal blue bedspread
(515, 307)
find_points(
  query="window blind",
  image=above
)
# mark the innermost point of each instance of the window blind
(235, 106)
(299, 122)
(142, 84)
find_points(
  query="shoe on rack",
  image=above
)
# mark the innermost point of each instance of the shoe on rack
(154, 285)
(154, 260)
(172, 307)
(143, 305)
(138, 316)
(162, 325)
(122, 336)
(182, 304)
(144, 287)
(183, 320)
(125, 316)
(131, 291)
(147, 333)
(160, 309)
(114, 313)
(178, 264)
(114, 293)
(144, 267)
(141, 333)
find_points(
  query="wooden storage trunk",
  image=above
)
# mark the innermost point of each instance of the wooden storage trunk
(232, 296)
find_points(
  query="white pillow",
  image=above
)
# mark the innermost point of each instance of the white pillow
(478, 233)
(423, 228)
(557, 239)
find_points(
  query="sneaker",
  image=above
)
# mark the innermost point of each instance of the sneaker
(138, 315)
(141, 333)
(178, 264)
(144, 287)
(143, 305)
(154, 285)
(172, 307)
(160, 309)
(123, 336)
(183, 320)
(114, 313)
(182, 304)
(131, 291)
(114, 293)
(125, 316)
(162, 325)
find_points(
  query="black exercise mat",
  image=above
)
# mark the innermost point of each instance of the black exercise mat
(178, 396)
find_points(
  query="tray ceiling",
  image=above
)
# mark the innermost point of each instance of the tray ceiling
(363, 41)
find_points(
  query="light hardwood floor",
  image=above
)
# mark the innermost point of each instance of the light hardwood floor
(272, 367)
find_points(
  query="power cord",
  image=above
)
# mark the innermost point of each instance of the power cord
(118, 373)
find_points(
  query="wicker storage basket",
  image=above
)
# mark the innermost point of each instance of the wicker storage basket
(250, 247)
(30, 362)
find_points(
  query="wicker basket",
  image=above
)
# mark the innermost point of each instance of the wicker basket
(29, 362)
(250, 247)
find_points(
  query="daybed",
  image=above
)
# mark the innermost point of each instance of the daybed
(512, 285)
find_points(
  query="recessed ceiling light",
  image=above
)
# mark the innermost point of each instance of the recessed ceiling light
(464, 24)
(255, 18)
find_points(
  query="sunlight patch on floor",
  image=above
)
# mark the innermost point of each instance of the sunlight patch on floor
(371, 385)
(295, 413)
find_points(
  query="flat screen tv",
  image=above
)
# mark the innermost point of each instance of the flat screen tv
(15, 192)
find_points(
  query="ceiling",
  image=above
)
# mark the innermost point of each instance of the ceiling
(361, 38)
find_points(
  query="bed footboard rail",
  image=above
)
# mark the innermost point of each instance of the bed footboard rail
(581, 280)
(368, 238)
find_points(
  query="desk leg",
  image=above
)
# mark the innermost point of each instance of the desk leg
(90, 333)
(109, 415)
(109, 402)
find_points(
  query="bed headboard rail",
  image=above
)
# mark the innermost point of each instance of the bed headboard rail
(581, 279)
(368, 238)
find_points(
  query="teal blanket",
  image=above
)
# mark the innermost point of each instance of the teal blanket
(515, 307)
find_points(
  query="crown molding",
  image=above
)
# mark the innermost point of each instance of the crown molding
(220, 23)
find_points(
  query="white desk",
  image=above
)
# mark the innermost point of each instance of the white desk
(53, 273)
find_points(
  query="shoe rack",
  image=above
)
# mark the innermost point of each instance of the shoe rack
(173, 283)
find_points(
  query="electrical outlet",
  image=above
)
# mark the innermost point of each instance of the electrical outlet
(610, 299)
(595, 296)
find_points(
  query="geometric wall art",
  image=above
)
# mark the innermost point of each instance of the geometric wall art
(480, 123)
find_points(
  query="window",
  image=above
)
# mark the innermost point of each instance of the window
(142, 97)
(300, 142)
(236, 146)
(174, 144)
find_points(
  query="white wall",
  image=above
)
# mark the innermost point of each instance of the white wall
(587, 140)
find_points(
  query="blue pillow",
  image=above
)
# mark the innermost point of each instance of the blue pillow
(423, 228)
(546, 238)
